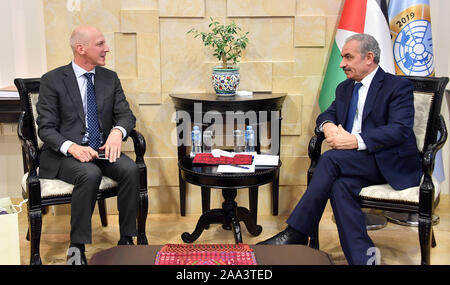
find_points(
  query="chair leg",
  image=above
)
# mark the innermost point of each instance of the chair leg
(102, 212)
(206, 201)
(142, 217)
(433, 239)
(34, 228)
(182, 194)
(425, 233)
(253, 202)
(275, 193)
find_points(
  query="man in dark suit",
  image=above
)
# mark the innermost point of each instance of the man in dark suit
(376, 146)
(82, 111)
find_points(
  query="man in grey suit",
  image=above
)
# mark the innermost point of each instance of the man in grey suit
(82, 113)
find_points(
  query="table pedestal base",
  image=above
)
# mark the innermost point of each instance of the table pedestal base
(229, 216)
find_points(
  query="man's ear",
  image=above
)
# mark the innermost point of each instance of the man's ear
(80, 49)
(370, 56)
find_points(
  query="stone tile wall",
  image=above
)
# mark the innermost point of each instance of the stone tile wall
(154, 57)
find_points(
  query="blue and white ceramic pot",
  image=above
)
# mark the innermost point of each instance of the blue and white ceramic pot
(225, 81)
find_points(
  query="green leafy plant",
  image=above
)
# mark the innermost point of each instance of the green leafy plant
(227, 43)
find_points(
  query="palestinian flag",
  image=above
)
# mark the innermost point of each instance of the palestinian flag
(358, 16)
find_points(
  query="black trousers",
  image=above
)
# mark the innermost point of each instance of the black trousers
(87, 177)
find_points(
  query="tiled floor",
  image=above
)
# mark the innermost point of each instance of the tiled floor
(398, 244)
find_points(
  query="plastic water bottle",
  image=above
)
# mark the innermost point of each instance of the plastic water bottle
(249, 139)
(196, 140)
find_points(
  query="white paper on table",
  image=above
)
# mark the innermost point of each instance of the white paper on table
(235, 169)
(9, 94)
(266, 160)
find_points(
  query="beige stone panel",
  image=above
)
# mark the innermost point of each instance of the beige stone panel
(168, 171)
(148, 98)
(332, 23)
(260, 8)
(125, 55)
(153, 171)
(294, 145)
(310, 31)
(283, 68)
(139, 4)
(310, 86)
(292, 110)
(162, 200)
(11, 166)
(319, 7)
(137, 85)
(289, 197)
(270, 39)
(58, 27)
(309, 61)
(182, 8)
(183, 57)
(286, 84)
(216, 8)
(303, 143)
(149, 62)
(103, 14)
(139, 21)
(309, 116)
(294, 170)
(159, 129)
(111, 55)
(255, 76)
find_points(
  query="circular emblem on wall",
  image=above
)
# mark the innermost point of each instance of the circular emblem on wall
(412, 42)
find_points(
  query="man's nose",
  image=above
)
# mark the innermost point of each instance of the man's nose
(342, 64)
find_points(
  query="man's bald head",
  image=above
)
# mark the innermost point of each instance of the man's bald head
(82, 36)
(89, 47)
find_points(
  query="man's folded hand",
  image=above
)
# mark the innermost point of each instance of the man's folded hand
(82, 153)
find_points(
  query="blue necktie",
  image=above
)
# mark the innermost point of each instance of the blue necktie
(91, 114)
(352, 109)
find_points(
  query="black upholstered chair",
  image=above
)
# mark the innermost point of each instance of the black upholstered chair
(46, 192)
(431, 134)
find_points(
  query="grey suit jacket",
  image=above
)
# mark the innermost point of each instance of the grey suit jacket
(61, 115)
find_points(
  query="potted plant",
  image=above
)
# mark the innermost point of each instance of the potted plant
(228, 46)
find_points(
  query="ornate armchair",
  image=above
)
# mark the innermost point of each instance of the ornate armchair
(431, 134)
(47, 192)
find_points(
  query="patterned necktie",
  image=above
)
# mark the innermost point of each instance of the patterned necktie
(352, 109)
(91, 114)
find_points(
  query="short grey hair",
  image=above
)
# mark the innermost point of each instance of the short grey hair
(367, 43)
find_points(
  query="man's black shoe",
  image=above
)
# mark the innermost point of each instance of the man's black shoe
(76, 256)
(288, 236)
(125, 240)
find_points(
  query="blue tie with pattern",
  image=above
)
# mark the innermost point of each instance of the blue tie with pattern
(352, 109)
(91, 114)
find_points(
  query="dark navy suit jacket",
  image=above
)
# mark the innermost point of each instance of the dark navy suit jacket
(387, 123)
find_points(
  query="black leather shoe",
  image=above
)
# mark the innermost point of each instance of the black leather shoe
(288, 236)
(125, 241)
(75, 256)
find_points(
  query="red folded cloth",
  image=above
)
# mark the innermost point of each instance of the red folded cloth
(208, 158)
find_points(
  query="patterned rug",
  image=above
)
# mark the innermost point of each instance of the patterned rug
(205, 254)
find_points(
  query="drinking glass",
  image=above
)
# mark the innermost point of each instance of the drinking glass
(207, 141)
(238, 139)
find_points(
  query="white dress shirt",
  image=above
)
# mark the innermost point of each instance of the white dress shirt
(82, 85)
